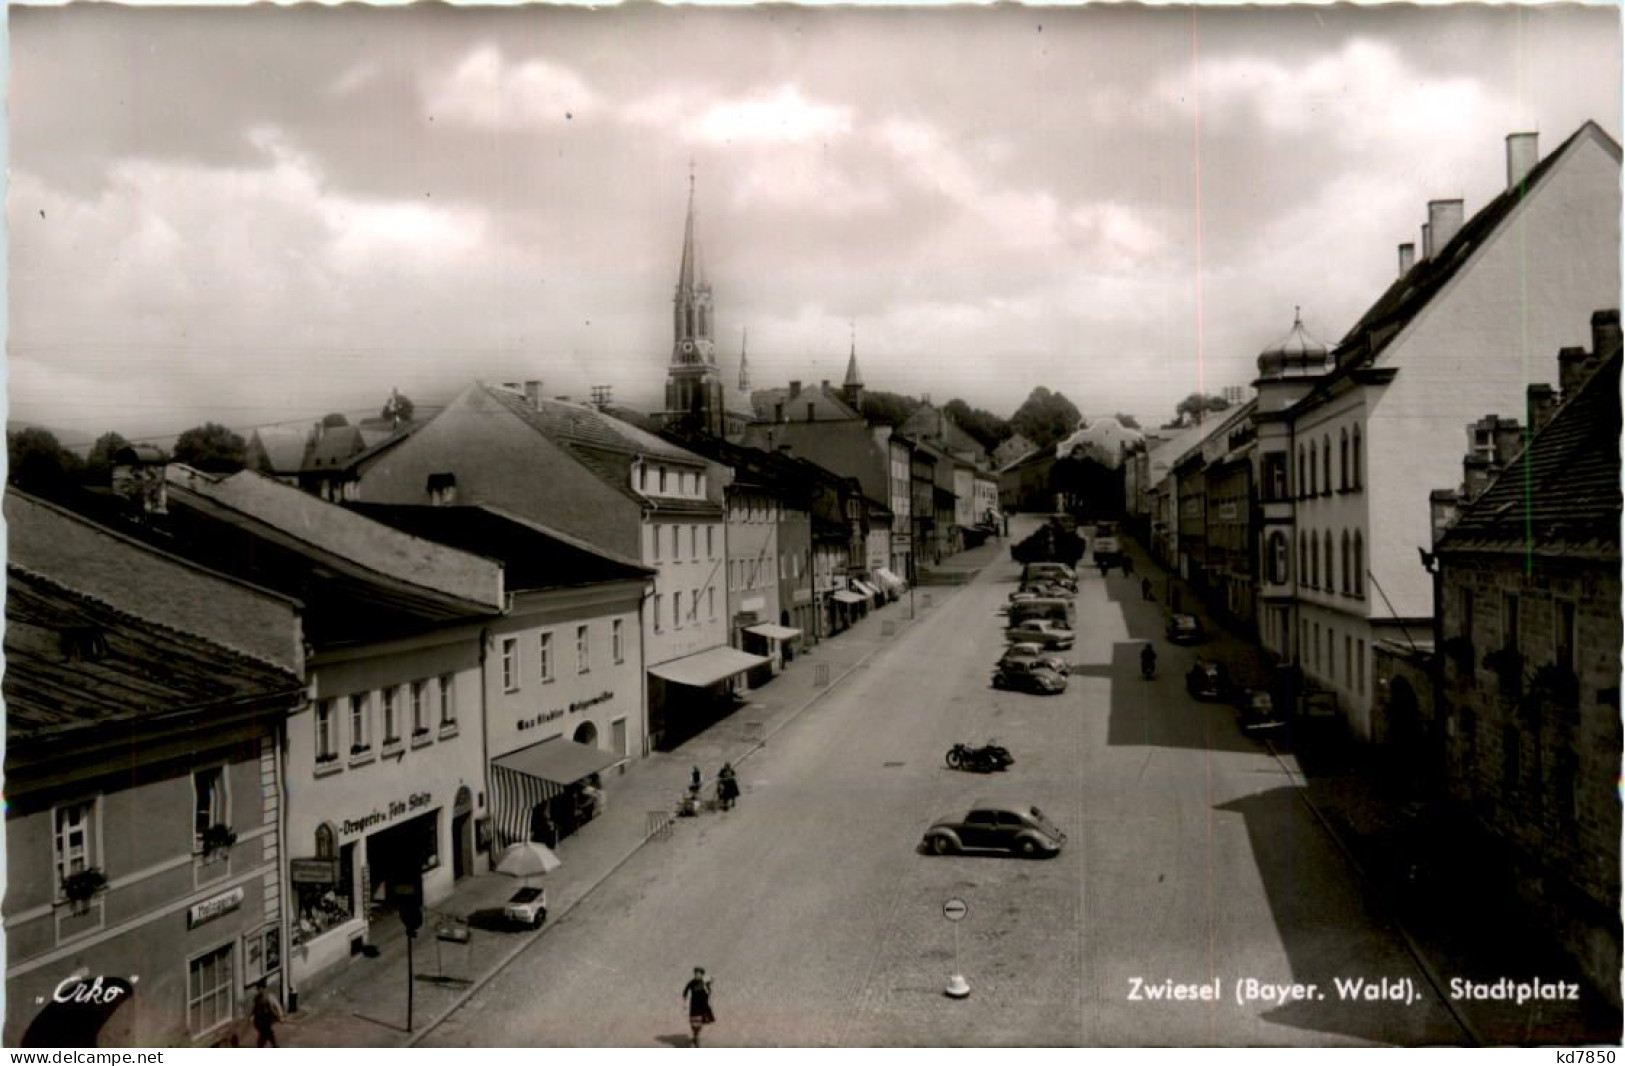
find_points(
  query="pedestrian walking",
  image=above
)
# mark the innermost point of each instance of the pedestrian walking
(727, 786)
(266, 1013)
(694, 781)
(697, 993)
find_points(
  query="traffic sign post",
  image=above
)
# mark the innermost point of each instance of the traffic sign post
(955, 910)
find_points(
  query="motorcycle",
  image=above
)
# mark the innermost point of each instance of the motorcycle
(986, 759)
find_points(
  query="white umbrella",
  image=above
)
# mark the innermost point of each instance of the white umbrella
(527, 859)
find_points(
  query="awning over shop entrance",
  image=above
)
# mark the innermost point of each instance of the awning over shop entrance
(843, 596)
(888, 578)
(773, 632)
(707, 667)
(522, 779)
(865, 588)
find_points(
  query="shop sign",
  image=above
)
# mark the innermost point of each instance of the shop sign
(559, 712)
(414, 802)
(313, 871)
(214, 907)
(801, 596)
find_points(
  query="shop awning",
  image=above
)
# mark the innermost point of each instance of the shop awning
(707, 667)
(773, 632)
(865, 588)
(843, 596)
(889, 578)
(522, 779)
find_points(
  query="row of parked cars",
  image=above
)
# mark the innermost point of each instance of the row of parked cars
(1039, 621)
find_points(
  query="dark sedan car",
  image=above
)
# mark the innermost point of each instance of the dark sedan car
(1257, 713)
(1013, 829)
(1185, 629)
(1036, 654)
(1208, 680)
(1028, 675)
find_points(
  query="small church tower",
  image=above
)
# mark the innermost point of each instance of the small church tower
(852, 387)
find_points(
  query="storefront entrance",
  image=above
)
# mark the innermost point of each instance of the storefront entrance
(400, 853)
(462, 835)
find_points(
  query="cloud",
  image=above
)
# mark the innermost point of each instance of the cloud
(488, 91)
(783, 117)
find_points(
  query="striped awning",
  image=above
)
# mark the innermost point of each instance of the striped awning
(522, 779)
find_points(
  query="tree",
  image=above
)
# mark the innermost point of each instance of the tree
(211, 447)
(987, 428)
(99, 464)
(334, 420)
(40, 464)
(887, 408)
(1045, 417)
(1127, 421)
(1193, 407)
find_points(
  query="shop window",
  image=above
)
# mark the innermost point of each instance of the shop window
(360, 724)
(209, 804)
(583, 651)
(326, 903)
(75, 840)
(617, 640)
(448, 702)
(327, 741)
(510, 665)
(211, 983)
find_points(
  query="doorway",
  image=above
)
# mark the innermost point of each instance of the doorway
(462, 835)
(587, 733)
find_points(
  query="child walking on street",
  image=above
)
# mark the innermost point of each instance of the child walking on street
(697, 993)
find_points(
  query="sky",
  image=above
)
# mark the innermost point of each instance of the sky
(260, 215)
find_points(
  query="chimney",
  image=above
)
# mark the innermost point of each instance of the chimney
(1508, 440)
(1407, 258)
(533, 394)
(1476, 471)
(1541, 401)
(1573, 367)
(795, 389)
(1522, 155)
(1427, 242)
(1605, 337)
(1444, 506)
(1444, 222)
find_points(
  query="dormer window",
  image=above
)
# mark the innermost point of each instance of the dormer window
(442, 489)
(83, 644)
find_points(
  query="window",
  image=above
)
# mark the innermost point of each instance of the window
(656, 612)
(448, 702)
(617, 737)
(1316, 645)
(1331, 655)
(1563, 643)
(677, 610)
(694, 543)
(75, 839)
(510, 665)
(1278, 558)
(710, 542)
(208, 802)
(583, 651)
(360, 724)
(699, 484)
(655, 556)
(420, 708)
(1274, 478)
(1343, 461)
(617, 641)
(1354, 460)
(1359, 563)
(1343, 557)
(1509, 622)
(1359, 667)
(1326, 465)
(392, 717)
(1314, 560)
(1303, 474)
(1331, 583)
(211, 979)
(1314, 467)
(327, 747)
(662, 479)
(643, 478)
(1348, 662)
(676, 546)
(711, 603)
(694, 606)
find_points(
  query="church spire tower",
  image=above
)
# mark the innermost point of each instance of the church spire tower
(852, 387)
(693, 381)
(744, 366)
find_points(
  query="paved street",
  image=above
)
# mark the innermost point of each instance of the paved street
(1189, 858)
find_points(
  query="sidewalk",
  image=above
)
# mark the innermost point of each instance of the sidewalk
(1458, 925)
(363, 1003)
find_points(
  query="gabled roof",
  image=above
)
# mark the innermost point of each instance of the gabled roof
(1405, 298)
(1561, 494)
(532, 555)
(126, 668)
(933, 423)
(282, 446)
(827, 405)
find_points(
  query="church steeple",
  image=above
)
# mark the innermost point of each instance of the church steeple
(692, 343)
(744, 366)
(852, 387)
(694, 389)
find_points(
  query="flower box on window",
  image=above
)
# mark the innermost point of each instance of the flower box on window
(218, 839)
(81, 887)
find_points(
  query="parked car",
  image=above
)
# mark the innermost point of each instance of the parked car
(1040, 631)
(1057, 572)
(528, 906)
(1014, 829)
(1257, 713)
(1208, 680)
(1037, 654)
(1027, 675)
(1185, 629)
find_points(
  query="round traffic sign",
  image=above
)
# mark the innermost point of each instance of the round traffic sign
(955, 909)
